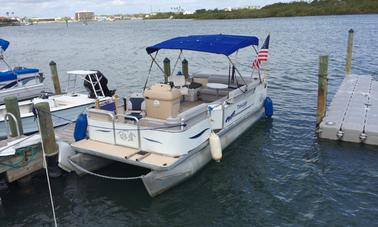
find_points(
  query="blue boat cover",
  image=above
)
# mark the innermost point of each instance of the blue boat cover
(12, 75)
(4, 44)
(217, 44)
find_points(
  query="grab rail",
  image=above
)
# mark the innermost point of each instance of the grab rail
(138, 128)
(96, 111)
(6, 119)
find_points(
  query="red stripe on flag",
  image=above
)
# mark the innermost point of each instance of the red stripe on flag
(262, 56)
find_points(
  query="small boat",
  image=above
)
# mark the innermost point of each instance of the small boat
(64, 107)
(24, 83)
(174, 128)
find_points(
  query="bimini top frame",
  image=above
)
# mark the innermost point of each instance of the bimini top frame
(216, 44)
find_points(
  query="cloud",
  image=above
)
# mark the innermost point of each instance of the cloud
(118, 2)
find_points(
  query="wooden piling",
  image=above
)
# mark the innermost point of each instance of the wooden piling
(167, 69)
(11, 105)
(55, 78)
(322, 89)
(97, 104)
(185, 69)
(116, 103)
(348, 64)
(46, 128)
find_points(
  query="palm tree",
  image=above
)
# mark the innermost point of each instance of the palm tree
(7, 13)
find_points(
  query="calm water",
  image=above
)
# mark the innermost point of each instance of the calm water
(277, 173)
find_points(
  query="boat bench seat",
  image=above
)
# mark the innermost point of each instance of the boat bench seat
(216, 78)
(209, 95)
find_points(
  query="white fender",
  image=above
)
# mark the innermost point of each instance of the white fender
(215, 147)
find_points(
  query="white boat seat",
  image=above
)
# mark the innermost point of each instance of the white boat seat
(135, 106)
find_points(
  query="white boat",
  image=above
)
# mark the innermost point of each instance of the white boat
(174, 128)
(23, 83)
(65, 107)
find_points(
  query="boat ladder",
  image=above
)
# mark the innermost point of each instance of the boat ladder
(94, 83)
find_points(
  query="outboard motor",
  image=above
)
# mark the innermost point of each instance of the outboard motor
(104, 84)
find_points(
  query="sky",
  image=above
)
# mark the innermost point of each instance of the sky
(58, 8)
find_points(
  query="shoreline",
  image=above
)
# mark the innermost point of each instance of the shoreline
(248, 18)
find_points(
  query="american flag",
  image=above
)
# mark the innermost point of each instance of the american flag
(262, 55)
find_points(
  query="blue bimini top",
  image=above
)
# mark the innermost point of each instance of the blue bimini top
(216, 44)
(12, 74)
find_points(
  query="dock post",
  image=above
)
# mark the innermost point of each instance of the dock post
(49, 144)
(167, 69)
(322, 89)
(185, 69)
(11, 105)
(348, 64)
(55, 78)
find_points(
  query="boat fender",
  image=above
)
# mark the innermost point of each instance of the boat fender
(81, 127)
(215, 147)
(268, 106)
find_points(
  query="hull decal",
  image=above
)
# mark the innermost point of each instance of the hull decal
(199, 134)
(151, 140)
(101, 130)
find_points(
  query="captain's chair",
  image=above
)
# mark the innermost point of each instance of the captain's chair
(135, 105)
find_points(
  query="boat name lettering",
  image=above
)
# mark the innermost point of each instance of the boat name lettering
(242, 104)
(126, 135)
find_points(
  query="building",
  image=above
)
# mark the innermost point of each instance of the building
(84, 15)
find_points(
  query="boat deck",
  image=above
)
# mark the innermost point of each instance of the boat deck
(66, 133)
(353, 113)
(125, 154)
(184, 106)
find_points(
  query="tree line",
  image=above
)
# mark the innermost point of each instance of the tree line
(296, 8)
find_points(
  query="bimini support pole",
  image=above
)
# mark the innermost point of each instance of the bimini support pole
(237, 70)
(149, 71)
(154, 61)
(178, 58)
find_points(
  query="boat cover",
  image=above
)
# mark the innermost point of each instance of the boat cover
(217, 44)
(4, 44)
(12, 74)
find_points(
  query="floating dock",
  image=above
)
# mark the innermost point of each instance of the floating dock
(353, 113)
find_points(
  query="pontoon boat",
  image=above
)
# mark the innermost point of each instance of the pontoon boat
(174, 128)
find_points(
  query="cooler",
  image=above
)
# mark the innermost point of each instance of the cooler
(162, 101)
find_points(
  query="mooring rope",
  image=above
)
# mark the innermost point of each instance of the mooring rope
(47, 177)
(102, 176)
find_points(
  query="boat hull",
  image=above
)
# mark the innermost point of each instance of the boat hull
(60, 117)
(156, 182)
(22, 93)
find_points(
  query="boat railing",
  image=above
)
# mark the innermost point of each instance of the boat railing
(108, 114)
(136, 120)
(6, 120)
(113, 119)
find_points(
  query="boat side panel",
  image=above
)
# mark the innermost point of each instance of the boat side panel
(157, 141)
(156, 182)
(22, 93)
